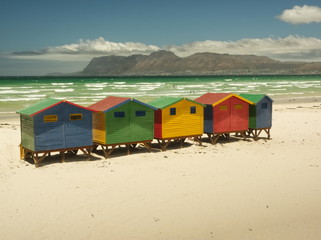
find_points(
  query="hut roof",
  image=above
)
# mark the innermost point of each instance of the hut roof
(44, 105)
(112, 102)
(255, 98)
(216, 98)
(164, 102)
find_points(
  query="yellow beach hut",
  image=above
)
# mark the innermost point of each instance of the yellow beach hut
(177, 119)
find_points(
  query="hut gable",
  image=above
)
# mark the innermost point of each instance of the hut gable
(177, 117)
(55, 124)
(109, 103)
(261, 112)
(224, 112)
(122, 120)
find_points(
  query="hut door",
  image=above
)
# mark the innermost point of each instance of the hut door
(264, 113)
(239, 114)
(74, 126)
(141, 123)
(222, 117)
(117, 125)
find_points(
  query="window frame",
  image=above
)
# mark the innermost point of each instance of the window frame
(193, 110)
(264, 105)
(119, 114)
(172, 111)
(50, 118)
(75, 115)
(140, 113)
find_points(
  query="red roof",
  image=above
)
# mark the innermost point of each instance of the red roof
(211, 98)
(107, 103)
(216, 98)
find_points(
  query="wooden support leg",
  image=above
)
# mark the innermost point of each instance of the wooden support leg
(148, 146)
(199, 140)
(85, 151)
(62, 153)
(216, 138)
(42, 157)
(182, 142)
(243, 135)
(110, 151)
(166, 144)
(104, 151)
(210, 137)
(128, 149)
(35, 159)
(268, 132)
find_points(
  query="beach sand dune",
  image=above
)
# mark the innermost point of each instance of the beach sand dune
(269, 189)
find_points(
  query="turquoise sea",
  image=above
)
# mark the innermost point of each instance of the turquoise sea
(19, 92)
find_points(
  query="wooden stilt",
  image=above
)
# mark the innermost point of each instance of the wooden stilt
(213, 137)
(164, 142)
(128, 149)
(39, 156)
(131, 145)
(255, 133)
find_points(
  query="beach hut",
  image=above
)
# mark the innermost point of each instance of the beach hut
(122, 121)
(224, 113)
(177, 119)
(54, 125)
(260, 114)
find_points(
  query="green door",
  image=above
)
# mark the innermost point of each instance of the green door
(117, 125)
(141, 122)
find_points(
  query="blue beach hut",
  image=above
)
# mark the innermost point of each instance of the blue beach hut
(54, 125)
(260, 114)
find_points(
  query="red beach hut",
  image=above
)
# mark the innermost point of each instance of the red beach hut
(224, 113)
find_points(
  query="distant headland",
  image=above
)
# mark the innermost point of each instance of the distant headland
(166, 63)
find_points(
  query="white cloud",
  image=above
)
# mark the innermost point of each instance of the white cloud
(300, 15)
(86, 49)
(291, 48)
(294, 48)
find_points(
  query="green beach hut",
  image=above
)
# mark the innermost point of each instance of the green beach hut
(260, 114)
(122, 121)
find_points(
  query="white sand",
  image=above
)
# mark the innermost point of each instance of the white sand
(270, 189)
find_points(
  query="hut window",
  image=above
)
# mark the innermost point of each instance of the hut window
(223, 107)
(264, 105)
(119, 114)
(75, 116)
(238, 106)
(193, 109)
(50, 118)
(172, 111)
(140, 113)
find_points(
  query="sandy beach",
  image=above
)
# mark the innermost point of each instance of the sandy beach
(236, 190)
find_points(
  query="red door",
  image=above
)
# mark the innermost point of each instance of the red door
(222, 117)
(239, 114)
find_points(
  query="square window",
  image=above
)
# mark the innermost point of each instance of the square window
(193, 109)
(264, 105)
(50, 118)
(172, 111)
(119, 114)
(75, 116)
(223, 107)
(238, 106)
(140, 113)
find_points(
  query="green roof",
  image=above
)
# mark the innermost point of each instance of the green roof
(34, 109)
(254, 97)
(164, 102)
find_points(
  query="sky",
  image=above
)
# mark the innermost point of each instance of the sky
(44, 36)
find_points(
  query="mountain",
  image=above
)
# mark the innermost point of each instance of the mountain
(165, 63)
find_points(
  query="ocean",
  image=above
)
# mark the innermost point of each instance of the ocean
(19, 92)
